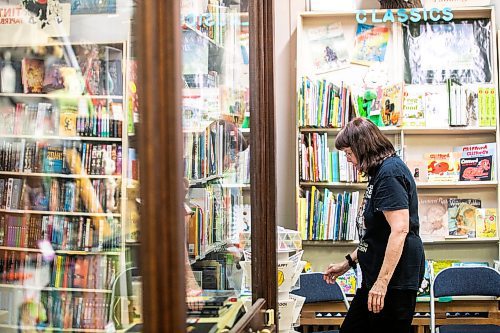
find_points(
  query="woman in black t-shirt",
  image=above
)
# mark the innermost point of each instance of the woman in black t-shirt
(390, 251)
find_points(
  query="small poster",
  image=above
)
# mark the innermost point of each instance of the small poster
(328, 48)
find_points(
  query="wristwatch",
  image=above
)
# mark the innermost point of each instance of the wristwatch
(351, 262)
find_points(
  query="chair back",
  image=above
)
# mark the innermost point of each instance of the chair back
(315, 289)
(463, 281)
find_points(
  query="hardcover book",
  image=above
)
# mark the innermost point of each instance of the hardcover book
(433, 216)
(328, 48)
(32, 75)
(462, 217)
(486, 222)
(475, 168)
(443, 166)
(392, 102)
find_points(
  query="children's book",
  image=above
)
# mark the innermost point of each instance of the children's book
(436, 106)
(370, 44)
(32, 75)
(328, 48)
(486, 222)
(475, 168)
(413, 106)
(443, 166)
(392, 102)
(462, 217)
(433, 216)
(418, 169)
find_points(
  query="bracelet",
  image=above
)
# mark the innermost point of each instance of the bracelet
(351, 262)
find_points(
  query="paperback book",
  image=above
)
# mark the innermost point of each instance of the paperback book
(328, 48)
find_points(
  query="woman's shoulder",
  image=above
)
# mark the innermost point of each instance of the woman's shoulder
(393, 166)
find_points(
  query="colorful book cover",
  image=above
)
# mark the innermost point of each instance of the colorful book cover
(443, 166)
(33, 75)
(392, 102)
(475, 168)
(370, 44)
(462, 217)
(413, 106)
(486, 222)
(53, 159)
(328, 48)
(348, 282)
(433, 216)
(479, 151)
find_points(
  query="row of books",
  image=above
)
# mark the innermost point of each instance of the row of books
(62, 232)
(75, 118)
(444, 217)
(56, 309)
(323, 104)
(465, 163)
(81, 195)
(65, 158)
(212, 22)
(87, 272)
(97, 77)
(211, 151)
(317, 163)
(323, 215)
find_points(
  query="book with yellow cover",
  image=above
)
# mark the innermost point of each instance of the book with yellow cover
(486, 222)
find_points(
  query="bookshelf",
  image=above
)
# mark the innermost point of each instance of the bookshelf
(411, 142)
(66, 163)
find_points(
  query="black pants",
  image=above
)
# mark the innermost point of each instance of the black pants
(395, 317)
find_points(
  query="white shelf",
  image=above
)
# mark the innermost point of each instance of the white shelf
(55, 329)
(432, 185)
(336, 130)
(61, 96)
(84, 290)
(74, 252)
(450, 131)
(236, 185)
(480, 184)
(330, 243)
(48, 212)
(204, 180)
(335, 184)
(58, 175)
(59, 137)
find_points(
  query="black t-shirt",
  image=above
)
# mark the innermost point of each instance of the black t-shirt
(392, 187)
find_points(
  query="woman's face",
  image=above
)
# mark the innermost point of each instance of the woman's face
(350, 156)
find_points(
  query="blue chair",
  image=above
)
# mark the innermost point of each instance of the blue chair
(465, 281)
(316, 290)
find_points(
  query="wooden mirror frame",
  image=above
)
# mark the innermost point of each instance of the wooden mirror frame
(160, 146)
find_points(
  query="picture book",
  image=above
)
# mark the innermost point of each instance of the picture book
(392, 102)
(418, 169)
(53, 79)
(436, 106)
(348, 282)
(433, 216)
(413, 106)
(32, 73)
(370, 44)
(462, 217)
(425, 286)
(475, 168)
(328, 48)
(443, 166)
(479, 152)
(486, 222)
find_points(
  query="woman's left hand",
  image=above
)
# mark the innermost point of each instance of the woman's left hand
(376, 296)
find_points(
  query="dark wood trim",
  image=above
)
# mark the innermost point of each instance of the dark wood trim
(262, 153)
(160, 147)
(255, 318)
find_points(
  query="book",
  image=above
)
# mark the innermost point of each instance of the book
(413, 106)
(433, 216)
(194, 53)
(32, 72)
(475, 168)
(436, 106)
(328, 48)
(418, 169)
(479, 151)
(370, 44)
(443, 166)
(486, 222)
(462, 216)
(53, 79)
(392, 102)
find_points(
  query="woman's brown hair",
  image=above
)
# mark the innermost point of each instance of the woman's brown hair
(367, 143)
